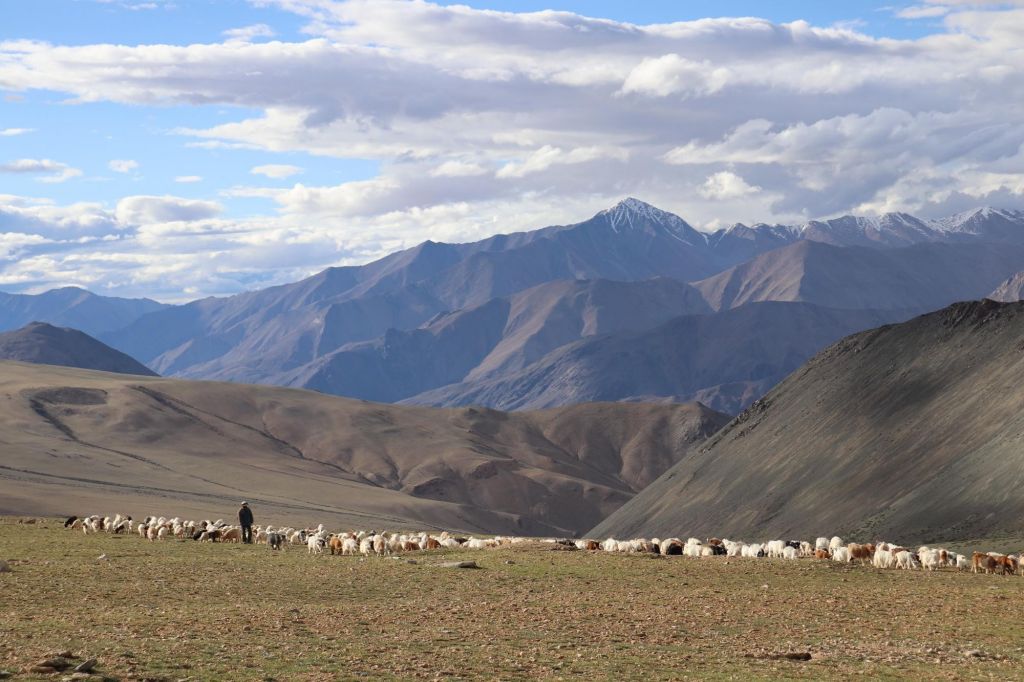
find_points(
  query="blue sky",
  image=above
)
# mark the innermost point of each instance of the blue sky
(136, 134)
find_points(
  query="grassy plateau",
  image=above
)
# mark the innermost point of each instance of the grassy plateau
(181, 610)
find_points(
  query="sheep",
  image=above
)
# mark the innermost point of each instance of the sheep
(841, 554)
(754, 551)
(929, 559)
(821, 543)
(883, 558)
(671, 546)
(906, 560)
(275, 541)
(806, 549)
(315, 543)
(334, 543)
(380, 545)
(231, 535)
(366, 546)
(862, 553)
(789, 553)
(834, 543)
(775, 548)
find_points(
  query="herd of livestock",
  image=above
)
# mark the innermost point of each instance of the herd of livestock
(370, 543)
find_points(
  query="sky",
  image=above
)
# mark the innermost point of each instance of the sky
(188, 148)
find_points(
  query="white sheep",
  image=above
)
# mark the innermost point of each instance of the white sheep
(883, 558)
(366, 546)
(315, 543)
(906, 560)
(842, 555)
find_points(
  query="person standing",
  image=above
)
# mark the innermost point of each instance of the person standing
(245, 520)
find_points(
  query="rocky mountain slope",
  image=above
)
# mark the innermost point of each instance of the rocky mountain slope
(78, 442)
(73, 307)
(921, 277)
(45, 344)
(725, 361)
(910, 432)
(495, 338)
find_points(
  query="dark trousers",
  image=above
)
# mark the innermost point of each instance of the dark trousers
(247, 534)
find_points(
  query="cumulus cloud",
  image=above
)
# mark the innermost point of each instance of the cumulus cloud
(485, 121)
(726, 185)
(276, 170)
(672, 74)
(248, 33)
(123, 165)
(457, 169)
(12, 132)
(51, 171)
(141, 210)
(548, 156)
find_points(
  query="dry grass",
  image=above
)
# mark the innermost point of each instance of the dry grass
(182, 610)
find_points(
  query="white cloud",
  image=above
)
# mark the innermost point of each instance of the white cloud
(247, 33)
(548, 156)
(123, 165)
(276, 170)
(458, 169)
(185, 179)
(672, 74)
(486, 121)
(51, 171)
(726, 185)
(922, 12)
(142, 210)
(11, 132)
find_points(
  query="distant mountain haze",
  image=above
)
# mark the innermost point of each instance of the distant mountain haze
(724, 360)
(73, 307)
(455, 323)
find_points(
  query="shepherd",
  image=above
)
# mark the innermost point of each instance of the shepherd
(245, 520)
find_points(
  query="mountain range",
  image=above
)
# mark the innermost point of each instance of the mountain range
(909, 432)
(592, 310)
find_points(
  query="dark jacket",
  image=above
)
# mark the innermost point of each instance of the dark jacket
(245, 516)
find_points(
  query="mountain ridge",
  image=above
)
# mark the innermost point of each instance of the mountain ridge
(45, 344)
(907, 431)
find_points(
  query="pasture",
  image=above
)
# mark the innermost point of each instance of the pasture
(182, 610)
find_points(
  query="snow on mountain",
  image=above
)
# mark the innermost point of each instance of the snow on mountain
(981, 221)
(635, 215)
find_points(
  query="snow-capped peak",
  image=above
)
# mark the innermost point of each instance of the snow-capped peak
(970, 221)
(633, 214)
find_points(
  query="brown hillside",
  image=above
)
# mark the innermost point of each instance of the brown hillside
(79, 442)
(911, 432)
